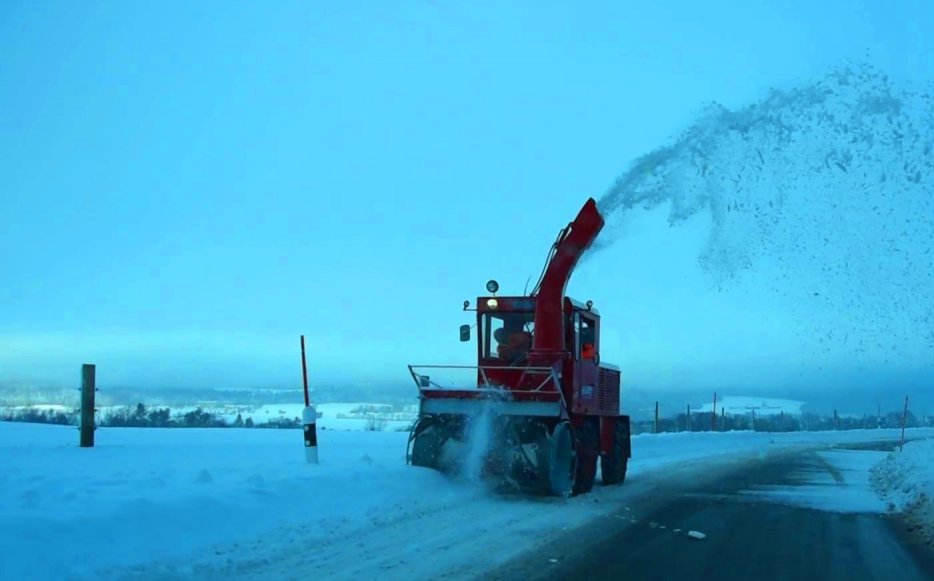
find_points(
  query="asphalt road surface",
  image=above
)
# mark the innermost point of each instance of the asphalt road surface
(746, 537)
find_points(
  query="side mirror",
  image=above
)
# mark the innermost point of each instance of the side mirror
(465, 333)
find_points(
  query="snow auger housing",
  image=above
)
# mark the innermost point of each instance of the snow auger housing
(540, 407)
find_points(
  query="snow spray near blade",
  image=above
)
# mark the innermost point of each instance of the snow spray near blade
(479, 440)
(824, 194)
(468, 456)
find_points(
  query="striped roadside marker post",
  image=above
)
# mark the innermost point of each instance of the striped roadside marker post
(311, 434)
(309, 417)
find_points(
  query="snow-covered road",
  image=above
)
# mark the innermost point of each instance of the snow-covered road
(161, 503)
(806, 515)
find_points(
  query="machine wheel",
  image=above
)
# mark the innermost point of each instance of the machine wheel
(613, 466)
(428, 439)
(588, 449)
(557, 461)
(613, 471)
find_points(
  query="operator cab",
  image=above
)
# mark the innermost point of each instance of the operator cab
(507, 330)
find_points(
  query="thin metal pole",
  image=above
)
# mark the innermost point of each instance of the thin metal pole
(305, 372)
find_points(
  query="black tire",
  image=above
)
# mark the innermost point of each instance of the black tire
(613, 466)
(588, 449)
(557, 461)
(426, 447)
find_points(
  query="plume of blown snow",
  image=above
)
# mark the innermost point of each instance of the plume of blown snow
(824, 194)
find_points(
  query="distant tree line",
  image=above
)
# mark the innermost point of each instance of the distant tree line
(161, 417)
(143, 417)
(701, 422)
(38, 416)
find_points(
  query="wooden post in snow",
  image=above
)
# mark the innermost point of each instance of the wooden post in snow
(86, 422)
(904, 421)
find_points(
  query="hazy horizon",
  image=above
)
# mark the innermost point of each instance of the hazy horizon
(191, 187)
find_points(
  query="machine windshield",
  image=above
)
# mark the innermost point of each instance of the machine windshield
(507, 336)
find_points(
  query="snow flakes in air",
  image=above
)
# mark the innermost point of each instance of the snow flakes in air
(822, 195)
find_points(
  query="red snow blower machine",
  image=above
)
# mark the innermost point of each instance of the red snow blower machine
(549, 406)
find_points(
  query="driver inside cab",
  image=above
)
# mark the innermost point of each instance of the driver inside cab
(512, 343)
(588, 351)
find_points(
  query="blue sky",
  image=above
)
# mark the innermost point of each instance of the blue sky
(187, 187)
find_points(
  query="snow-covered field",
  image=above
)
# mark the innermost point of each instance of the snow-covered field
(169, 503)
(905, 479)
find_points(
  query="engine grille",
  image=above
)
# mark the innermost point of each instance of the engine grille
(608, 388)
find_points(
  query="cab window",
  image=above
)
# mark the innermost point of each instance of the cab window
(507, 336)
(586, 338)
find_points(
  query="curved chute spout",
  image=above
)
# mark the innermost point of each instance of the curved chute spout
(574, 240)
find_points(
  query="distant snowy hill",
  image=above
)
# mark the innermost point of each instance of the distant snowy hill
(738, 405)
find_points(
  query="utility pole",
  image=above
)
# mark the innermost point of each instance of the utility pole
(713, 414)
(753, 408)
(904, 421)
